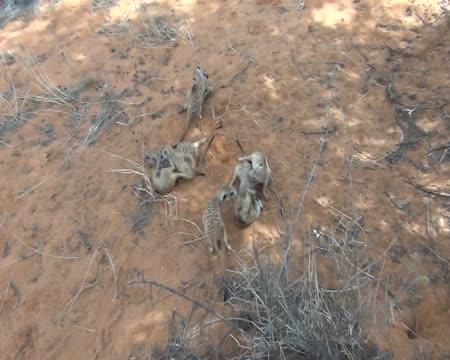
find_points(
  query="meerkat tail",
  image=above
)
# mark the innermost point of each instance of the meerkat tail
(268, 177)
(240, 147)
(220, 249)
(209, 140)
(188, 125)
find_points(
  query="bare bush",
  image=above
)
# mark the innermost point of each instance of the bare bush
(283, 316)
(13, 9)
(99, 5)
(182, 342)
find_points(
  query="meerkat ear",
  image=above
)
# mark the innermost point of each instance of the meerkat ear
(224, 195)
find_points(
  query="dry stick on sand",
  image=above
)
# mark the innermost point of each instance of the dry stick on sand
(114, 273)
(45, 254)
(74, 299)
(310, 179)
(34, 187)
(296, 66)
(322, 147)
(427, 190)
(237, 76)
(3, 222)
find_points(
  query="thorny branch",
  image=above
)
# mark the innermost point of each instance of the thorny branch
(195, 302)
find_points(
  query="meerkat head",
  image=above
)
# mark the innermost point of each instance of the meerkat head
(151, 158)
(199, 71)
(227, 192)
(258, 160)
(164, 159)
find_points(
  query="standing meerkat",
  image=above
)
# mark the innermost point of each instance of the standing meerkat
(256, 167)
(213, 222)
(200, 90)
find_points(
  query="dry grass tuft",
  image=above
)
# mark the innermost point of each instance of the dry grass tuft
(18, 107)
(147, 196)
(13, 9)
(152, 30)
(110, 112)
(15, 108)
(99, 5)
(182, 339)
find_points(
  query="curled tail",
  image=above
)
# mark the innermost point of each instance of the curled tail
(188, 125)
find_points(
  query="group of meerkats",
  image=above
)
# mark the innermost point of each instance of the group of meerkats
(182, 161)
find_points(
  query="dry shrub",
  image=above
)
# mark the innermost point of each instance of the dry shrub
(13, 9)
(287, 316)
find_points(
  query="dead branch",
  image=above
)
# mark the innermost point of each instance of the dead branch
(427, 190)
(309, 180)
(74, 299)
(296, 66)
(236, 76)
(195, 302)
(439, 147)
(325, 130)
(45, 254)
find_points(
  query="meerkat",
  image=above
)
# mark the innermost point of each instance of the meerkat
(256, 167)
(213, 222)
(247, 206)
(185, 157)
(192, 153)
(200, 90)
(164, 177)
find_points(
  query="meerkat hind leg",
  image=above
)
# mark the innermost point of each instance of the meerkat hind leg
(267, 180)
(210, 246)
(235, 175)
(204, 153)
(225, 240)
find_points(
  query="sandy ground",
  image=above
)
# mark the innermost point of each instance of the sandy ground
(72, 237)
